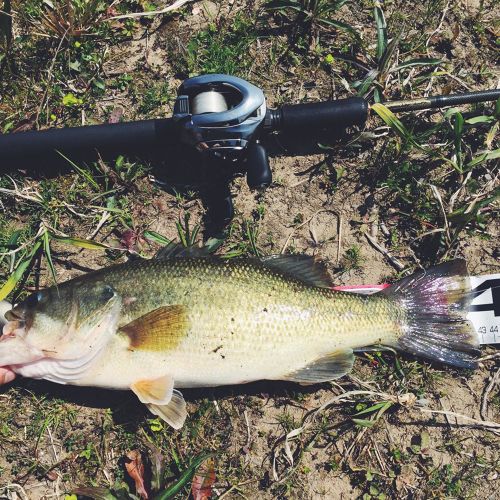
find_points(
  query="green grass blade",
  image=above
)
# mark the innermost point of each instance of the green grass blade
(156, 238)
(392, 121)
(364, 423)
(96, 493)
(374, 408)
(367, 82)
(458, 127)
(79, 242)
(48, 255)
(411, 63)
(463, 217)
(21, 268)
(82, 172)
(340, 25)
(489, 155)
(184, 479)
(480, 119)
(381, 30)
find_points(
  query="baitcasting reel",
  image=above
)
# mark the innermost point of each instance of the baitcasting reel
(221, 116)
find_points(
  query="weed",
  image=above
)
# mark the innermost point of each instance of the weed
(154, 97)
(312, 16)
(352, 260)
(222, 48)
(71, 18)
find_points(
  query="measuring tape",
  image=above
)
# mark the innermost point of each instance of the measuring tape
(484, 311)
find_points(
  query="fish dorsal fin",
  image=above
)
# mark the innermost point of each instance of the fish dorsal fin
(157, 391)
(302, 267)
(159, 330)
(176, 251)
(335, 365)
(174, 413)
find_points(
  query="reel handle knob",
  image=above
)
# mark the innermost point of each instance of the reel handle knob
(259, 173)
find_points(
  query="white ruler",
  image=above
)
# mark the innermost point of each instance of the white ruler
(484, 312)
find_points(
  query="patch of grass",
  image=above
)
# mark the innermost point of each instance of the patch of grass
(154, 99)
(352, 260)
(312, 16)
(221, 48)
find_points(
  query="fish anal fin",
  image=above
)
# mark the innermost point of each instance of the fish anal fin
(159, 330)
(330, 367)
(174, 413)
(156, 391)
(302, 267)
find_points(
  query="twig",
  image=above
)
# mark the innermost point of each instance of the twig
(445, 10)
(176, 5)
(392, 260)
(249, 436)
(484, 400)
(45, 100)
(15, 488)
(339, 243)
(491, 426)
(489, 356)
(287, 242)
(437, 195)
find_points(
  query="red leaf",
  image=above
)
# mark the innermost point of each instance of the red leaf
(135, 469)
(203, 480)
(116, 115)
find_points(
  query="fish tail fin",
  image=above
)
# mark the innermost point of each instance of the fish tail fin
(435, 304)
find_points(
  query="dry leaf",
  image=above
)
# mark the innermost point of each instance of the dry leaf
(135, 469)
(203, 480)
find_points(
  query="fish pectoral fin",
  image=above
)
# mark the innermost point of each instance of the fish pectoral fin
(159, 330)
(335, 365)
(174, 413)
(157, 391)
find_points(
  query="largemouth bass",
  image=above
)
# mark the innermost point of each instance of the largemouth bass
(184, 320)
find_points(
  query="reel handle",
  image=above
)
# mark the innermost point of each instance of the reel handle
(259, 173)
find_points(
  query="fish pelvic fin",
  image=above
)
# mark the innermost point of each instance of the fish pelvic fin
(159, 330)
(330, 367)
(174, 413)
(157, 391)
(434, 323)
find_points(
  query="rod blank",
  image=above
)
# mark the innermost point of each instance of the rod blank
(441, 101)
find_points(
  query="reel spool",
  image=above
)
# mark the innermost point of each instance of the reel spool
(209, 102)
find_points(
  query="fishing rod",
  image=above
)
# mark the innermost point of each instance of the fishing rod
(219, 121)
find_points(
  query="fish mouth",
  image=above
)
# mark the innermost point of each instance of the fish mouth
(13, 328)
(19, 321)
(14, 315)
(14, 350)
(19, 313)
(16, 324)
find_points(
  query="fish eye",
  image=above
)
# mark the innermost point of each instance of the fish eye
(33, 299)
(107, 292)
